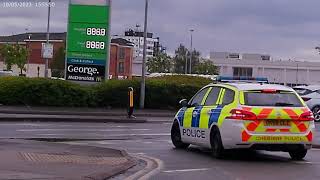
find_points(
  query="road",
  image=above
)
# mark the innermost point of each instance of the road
(153, 140)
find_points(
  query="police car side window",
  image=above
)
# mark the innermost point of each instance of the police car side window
(228, 97)
(196, 101)
(213, 96)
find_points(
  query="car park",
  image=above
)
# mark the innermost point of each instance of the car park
(311, 95)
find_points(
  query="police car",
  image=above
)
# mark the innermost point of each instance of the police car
(241, 115)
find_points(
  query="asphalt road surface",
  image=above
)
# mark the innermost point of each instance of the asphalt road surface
(153, 140)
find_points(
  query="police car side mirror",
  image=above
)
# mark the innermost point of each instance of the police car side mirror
(184, 103)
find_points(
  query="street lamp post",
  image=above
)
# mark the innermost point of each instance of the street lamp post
(48, 37)
(143, 80)
(191, 51)
(186, 63)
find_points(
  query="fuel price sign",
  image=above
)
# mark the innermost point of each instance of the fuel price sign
(87, 42)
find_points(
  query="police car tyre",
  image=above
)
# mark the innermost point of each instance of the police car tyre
(298, 155)
(316, 113)
(176, 137)
(216, 143)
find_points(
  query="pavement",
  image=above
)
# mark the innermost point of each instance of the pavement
(28, 160)
(73, 114)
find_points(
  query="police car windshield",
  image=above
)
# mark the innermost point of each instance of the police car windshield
(272, 99)
(302, 91)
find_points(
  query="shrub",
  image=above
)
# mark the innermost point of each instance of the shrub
(37, 91)
(161, 93)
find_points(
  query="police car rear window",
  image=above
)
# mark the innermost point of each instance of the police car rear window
(272, 99)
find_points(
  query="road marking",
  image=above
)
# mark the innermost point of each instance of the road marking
(99, 130)
(147, 142)
(140, 153)
(50, 134)
(105, 143)
(306, 162)
(186, 170)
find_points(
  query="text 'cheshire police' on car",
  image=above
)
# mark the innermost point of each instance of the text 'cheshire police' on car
(245, 115)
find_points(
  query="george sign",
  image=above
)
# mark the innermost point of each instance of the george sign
(47, 51)
(87, 41)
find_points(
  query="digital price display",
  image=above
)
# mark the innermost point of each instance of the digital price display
(87, 42)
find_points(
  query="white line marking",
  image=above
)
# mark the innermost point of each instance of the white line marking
(140, 153)
(303, 162)
(50, 134)
(105, 143)
(186, 170)
(95, 130)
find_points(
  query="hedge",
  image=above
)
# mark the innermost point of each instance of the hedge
(162, 92)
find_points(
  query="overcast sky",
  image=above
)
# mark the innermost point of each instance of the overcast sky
(286, 29)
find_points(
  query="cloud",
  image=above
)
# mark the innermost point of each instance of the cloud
(286, 29)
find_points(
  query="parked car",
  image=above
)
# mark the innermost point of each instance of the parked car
(311, 95)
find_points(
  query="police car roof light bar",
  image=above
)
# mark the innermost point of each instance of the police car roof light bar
(241, 79)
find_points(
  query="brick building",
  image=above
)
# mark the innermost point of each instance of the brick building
(120, 58)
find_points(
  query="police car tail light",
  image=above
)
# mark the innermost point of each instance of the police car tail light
(269, 91)
(307, 116)
(239, 114)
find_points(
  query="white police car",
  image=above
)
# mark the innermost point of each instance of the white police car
(245, 115)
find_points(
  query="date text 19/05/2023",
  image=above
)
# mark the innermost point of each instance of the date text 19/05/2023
(27, 4)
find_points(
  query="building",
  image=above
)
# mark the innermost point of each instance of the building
(137, 38)
(253, 65)
(33, 41)
(121, 56)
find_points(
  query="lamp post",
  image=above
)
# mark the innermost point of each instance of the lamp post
(191, 51)
(143, 80)
(48, 37)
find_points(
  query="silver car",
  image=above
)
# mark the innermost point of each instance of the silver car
(311, 95)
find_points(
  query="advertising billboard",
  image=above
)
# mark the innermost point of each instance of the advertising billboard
(87, 41)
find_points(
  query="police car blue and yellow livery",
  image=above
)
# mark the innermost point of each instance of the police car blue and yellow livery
(245, 115)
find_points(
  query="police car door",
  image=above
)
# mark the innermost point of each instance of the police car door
(190, 132)
(210, 113)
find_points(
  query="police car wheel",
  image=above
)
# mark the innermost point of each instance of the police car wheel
(298, 155)
(216, 143)
(176, 137)
(316, 113)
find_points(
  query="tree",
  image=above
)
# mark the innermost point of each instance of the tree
(7, 52)
(159, 64)
(21, 57)
(206, 67)
(15, 55)
(58, 63)
(181, 55)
